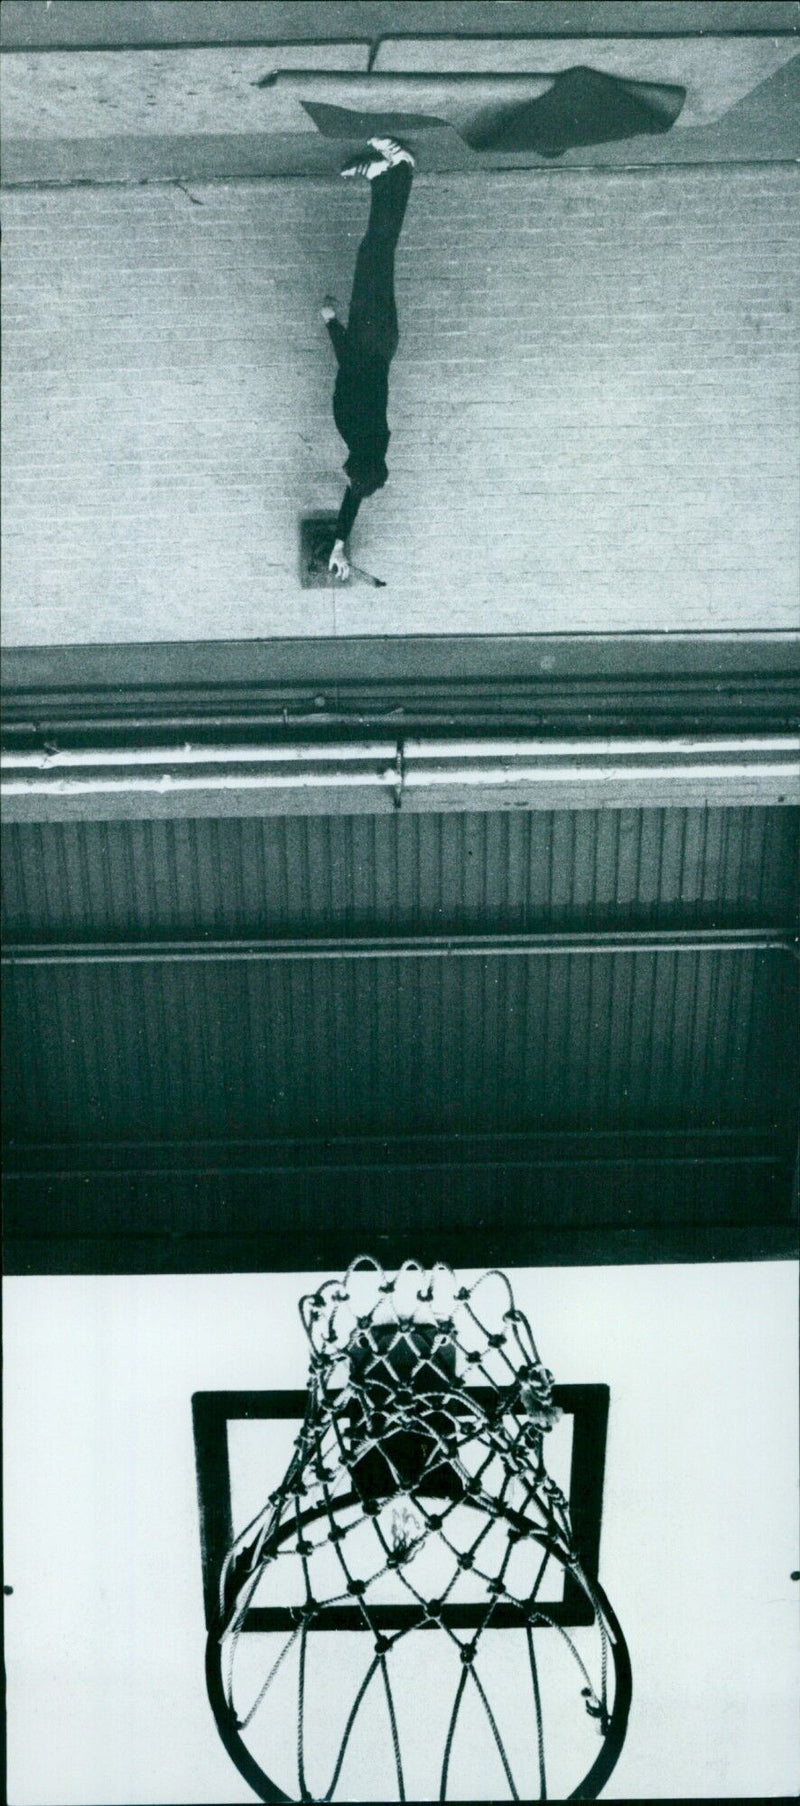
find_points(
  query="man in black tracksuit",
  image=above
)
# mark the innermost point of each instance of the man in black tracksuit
(364, 350)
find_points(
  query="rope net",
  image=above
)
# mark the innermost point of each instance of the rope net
(418, 1473)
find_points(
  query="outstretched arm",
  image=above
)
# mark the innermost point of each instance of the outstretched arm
(338, 562)
(347, 514)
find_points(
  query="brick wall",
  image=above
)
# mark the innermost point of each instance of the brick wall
(594, 407)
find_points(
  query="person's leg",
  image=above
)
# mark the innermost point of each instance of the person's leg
(373, 313)
(389, 200)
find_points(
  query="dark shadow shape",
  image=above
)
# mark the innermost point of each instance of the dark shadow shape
(357, 124)
(582, 107)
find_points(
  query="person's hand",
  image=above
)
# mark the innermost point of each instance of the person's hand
(338, 563)
(328, 309)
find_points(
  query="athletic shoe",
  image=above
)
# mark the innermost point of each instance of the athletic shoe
(368, 167)
(392, 150)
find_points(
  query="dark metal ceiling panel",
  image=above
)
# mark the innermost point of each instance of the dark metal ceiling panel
(369, 1047)
(624, 1101)
(469, 1216)
(422, 874)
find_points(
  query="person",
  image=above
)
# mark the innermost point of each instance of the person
(365, 348)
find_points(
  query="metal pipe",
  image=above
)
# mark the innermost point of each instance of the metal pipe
(423, 774)
(340, 758)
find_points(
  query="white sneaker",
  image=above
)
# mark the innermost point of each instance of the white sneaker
(368, 167)
(392, 151)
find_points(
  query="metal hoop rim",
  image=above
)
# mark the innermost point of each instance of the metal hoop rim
(588, 1789)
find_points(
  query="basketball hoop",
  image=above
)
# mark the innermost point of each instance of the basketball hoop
(416, 1507)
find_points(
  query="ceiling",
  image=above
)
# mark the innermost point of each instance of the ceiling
(554, 1036)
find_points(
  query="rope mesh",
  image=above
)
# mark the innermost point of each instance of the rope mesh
(396, 1447)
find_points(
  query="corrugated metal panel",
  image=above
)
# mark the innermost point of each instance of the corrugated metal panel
(140, 1098)
(413, 874)
(417, 1209)
(227, 1051)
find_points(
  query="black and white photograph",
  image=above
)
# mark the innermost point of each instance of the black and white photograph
(400, 787)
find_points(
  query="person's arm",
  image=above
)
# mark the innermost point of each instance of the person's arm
(347, 514)
(337, 336)
(338, 562)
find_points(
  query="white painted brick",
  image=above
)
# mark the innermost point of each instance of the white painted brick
(593, 411)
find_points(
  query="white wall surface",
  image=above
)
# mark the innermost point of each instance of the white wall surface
(105, 1627)
(593, 409)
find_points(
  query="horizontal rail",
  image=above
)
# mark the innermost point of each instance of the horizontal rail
(351, 755)
(356, 1169)
(435, 946)
(415, 773)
